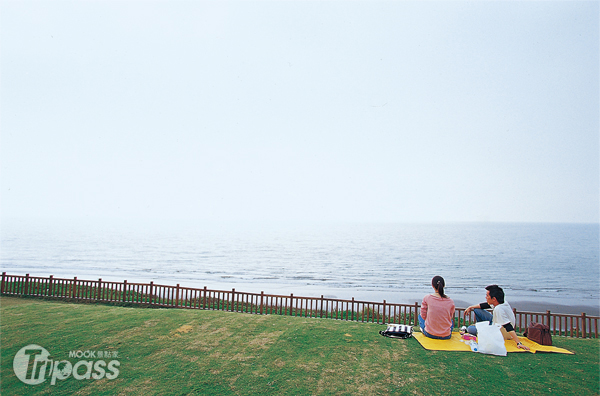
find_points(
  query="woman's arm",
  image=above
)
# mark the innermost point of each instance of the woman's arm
(424, 309)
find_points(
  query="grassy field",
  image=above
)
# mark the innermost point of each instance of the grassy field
(191, 352)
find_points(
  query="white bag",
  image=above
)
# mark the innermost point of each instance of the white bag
(490, 339)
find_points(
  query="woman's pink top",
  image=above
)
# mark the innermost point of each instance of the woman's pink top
(438, 313)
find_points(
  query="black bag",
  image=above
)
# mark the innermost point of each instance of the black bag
(539, 333)
(397, 331)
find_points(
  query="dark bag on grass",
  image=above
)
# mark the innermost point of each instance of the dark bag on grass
(539, 333)
(397, 331)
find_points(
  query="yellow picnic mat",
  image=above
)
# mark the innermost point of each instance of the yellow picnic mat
(455, 344)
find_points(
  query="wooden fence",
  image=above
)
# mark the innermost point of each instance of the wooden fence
(154, 295)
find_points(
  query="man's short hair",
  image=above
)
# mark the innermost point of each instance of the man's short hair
(496, 292)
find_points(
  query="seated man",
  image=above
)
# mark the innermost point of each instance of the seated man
(503, 314)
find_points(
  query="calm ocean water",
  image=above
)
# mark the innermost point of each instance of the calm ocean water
(556, 263)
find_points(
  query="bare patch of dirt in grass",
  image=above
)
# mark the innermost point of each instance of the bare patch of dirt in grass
(151, 322)
(184, 329)
(238, 357)
(401, 382)
(174, 334)
(310, 366)
(370, 389)
(191, 359)
(263, 340)
(223, 331)
(241, 358)
(203, 327)
(279, 363)
(203, 344)
(260, 318)
(260, 373)
(233, 380)
(397, 355)
(161, 352)
(85, 391)
(385, 355)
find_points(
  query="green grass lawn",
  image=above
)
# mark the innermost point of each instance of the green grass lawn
(181, 352)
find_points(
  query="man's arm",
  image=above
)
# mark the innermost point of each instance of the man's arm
(477, 306)
(514, 336)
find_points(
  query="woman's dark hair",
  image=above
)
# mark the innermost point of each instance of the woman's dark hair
(438, 284)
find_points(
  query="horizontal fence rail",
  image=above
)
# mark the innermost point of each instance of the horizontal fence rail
(154, 295)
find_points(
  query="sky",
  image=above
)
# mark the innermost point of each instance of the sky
(342, 111)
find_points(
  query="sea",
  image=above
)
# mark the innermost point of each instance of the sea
(551, 264)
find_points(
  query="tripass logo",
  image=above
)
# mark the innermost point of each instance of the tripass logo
(32, 365)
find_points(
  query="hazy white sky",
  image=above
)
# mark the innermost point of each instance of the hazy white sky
(308, 110)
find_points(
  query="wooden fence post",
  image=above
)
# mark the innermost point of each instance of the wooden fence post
(74, 288)
(99, 294)
(177, 295)
(262, 295)
(583, 325)
(124, 296)
(51, 288)
(26, 284)
(291, 303)
(384, 314)
(416, 313)
(151, 294)
(2, 285)
(232, 298)
(321, 314)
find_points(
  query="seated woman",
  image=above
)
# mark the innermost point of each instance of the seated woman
(437, 312)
